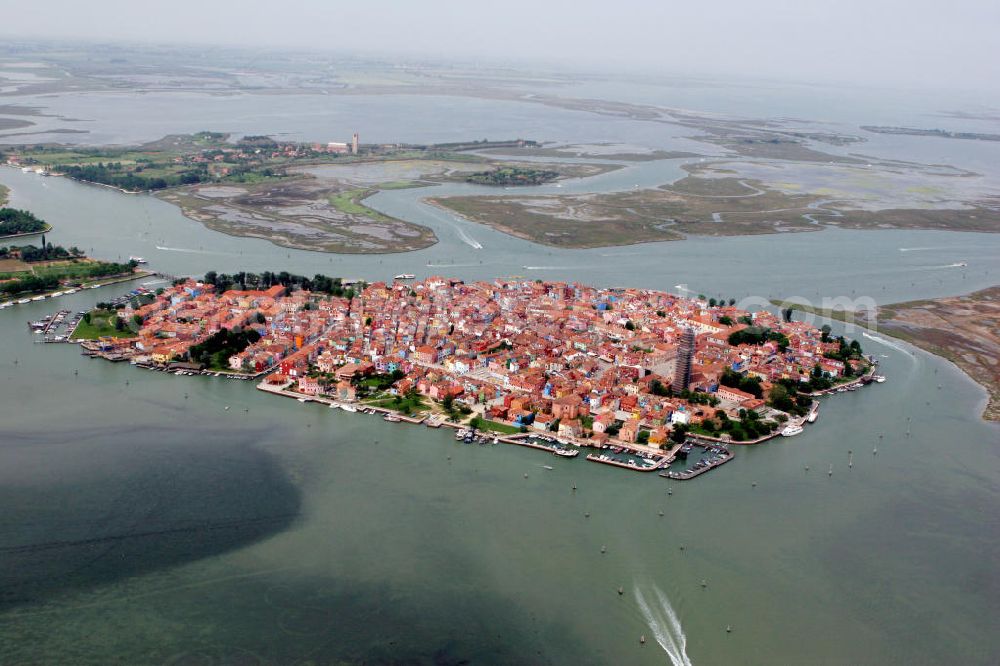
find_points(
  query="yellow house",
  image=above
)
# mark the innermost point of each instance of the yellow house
(162, 358)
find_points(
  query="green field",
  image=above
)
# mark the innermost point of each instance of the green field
(407, 405)
(486, 424)
(349, 202)
(100, 325)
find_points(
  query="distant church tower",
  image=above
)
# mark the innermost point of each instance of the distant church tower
(354, 144)
(685, 352)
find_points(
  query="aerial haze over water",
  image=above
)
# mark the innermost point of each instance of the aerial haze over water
(147, 518)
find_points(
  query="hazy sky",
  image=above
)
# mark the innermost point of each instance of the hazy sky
(908, 42)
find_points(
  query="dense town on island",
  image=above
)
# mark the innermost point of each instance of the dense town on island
(595, 367)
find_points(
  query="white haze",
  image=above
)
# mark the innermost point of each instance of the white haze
(904, 43)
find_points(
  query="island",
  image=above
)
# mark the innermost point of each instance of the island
(939, 133)
(14, 222)
(692, 206)
(306, 196)
(716, 199)
(550, 365)
(35, 271)
(512, 176)
(963, 329)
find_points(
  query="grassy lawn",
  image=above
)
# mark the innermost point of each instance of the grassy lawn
(485, 424)
(407, 405)
(101, 325)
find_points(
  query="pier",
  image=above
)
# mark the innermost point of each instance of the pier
(700, 468)
(602, 458)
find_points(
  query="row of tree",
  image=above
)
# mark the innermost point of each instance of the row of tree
(318, 283)
(46, 252)
(34, 284)
(132, 181)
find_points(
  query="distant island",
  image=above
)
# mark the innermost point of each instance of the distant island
(512, 176)
(301, 195)
(216, 157)
(940, 133)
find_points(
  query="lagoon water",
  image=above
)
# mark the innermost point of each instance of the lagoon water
(143, 522)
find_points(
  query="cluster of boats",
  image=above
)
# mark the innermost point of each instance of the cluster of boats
(40, 297)
(474, 437)
(717, 456)
(560, 448)
(56, 327)
(640, 461)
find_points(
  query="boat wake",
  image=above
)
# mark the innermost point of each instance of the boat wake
(666, 627)
(188, 250)
(888, 343)
(916, 249)
(681, 287)
(469, 240)
(464, 237)
(938, 267)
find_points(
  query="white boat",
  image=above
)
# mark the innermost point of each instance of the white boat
(26, 169)
(812, 417)
(138, 260)
(349, 408)
(792, 430)
(879, 378)
(23, 301)
(567, 453)
(39, 298)
(303, 399)
(405, 276)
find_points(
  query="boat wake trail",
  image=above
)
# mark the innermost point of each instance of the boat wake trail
(465, 237)
(666, 627)
(469, 240)
(189, 251)
(888, 343)
(453, 265)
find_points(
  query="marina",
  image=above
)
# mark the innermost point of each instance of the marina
(712, 457)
